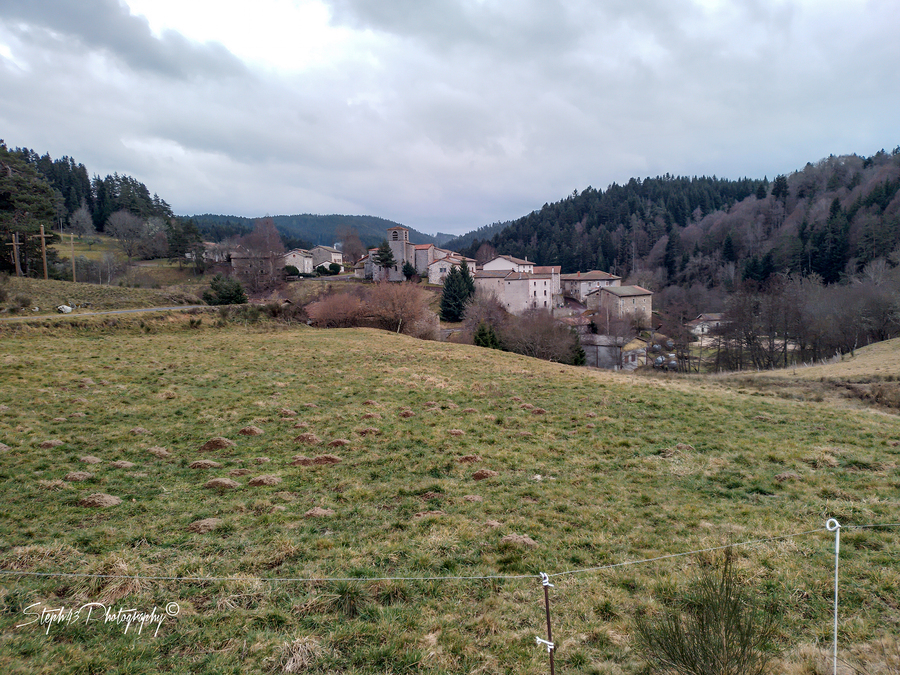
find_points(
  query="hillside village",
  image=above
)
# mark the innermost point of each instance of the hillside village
(594, 303)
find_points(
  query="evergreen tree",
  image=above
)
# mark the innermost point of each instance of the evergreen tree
(408, 270)
(486, 336)
(454, 296)
(384, 257)
(468, 279)
(224, 291)
(26, 201)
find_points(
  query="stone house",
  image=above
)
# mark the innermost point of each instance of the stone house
(325, 255)
(517, 291)
(440, 268)
(623, 301)
(705, 323)
(299, 258)
(581, 284)
(507, 262)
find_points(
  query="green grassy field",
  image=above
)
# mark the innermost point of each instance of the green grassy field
(593, 469)
(24, 293)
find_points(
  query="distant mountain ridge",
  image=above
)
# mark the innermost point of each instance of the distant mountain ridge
(317, 229)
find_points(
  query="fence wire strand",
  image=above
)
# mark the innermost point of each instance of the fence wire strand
(489, 577)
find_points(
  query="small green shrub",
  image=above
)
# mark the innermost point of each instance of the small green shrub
(224, 291)
(717, 629)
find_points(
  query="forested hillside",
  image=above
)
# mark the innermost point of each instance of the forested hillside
(308, 229)
(830, 218)
(101, 197)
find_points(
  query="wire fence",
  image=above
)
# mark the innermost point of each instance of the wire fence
(832, 526)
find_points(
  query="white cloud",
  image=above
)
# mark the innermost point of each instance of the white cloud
(444, 115)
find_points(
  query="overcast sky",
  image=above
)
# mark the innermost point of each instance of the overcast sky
(444, 115)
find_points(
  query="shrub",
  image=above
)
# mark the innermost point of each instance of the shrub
(291, 271)
(402, 308)
(224, 291)
(717, 630)
(334, 268)
(340, 310)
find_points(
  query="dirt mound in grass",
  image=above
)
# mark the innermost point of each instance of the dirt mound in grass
(251, 431)
(372, 416)
(473, 498)
(261, 460)
(428, 514)
(287, 413)
(60, 419)
(221, 484)
(456, 432)
(373, 431)
(4, 447)
(481, 474)
(239, 472)
(492, 524)
(538, 411)
(122, 464)
(78, 414)
(519, 540)
(338, 442)
(524, 434)
(266, 479)
(90, 459)
(162, 453)
(407, 414)
(787, 475)
(78, 476)
(369, 402)
(310, 438)
(468, 459)
(300, 460)
(217, 443)
(319, 512)
(137, 431)
(301, 425)
(204, 464)
(99, 500)
(205, 525)
(46, 445)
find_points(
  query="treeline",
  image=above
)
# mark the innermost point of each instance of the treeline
(101, 197)
(795, 320)
(831, 218)
(307, 230)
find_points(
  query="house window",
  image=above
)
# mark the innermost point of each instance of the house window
(545, 295)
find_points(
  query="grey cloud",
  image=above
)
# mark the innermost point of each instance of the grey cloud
(109, 26)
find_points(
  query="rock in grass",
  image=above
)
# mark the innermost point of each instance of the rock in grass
(221, 484)
(100, 500)
(217, 443)
(205, 525)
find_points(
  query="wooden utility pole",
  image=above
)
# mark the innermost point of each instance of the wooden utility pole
(44, 250)
(15, 245)
(73, 256)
